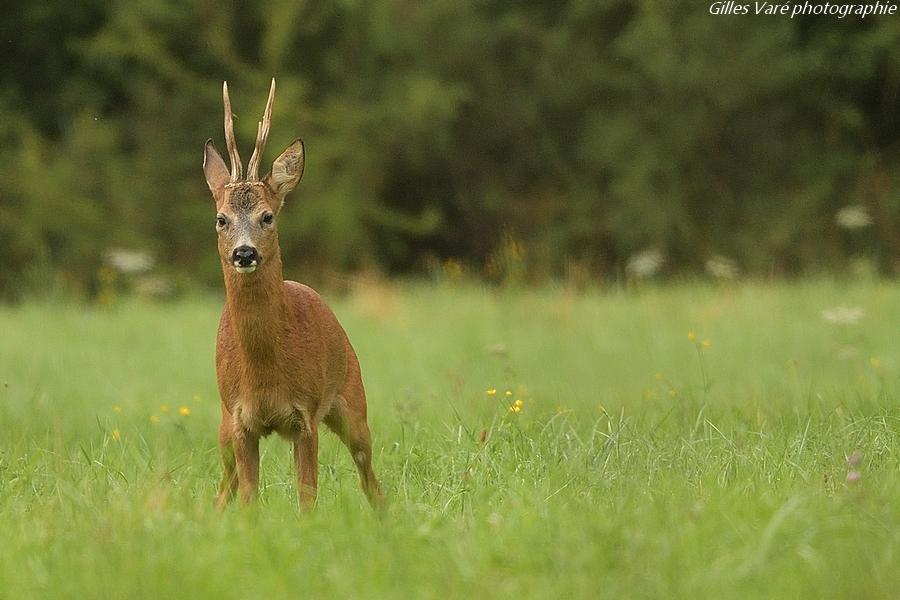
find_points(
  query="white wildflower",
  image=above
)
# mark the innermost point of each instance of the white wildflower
(843, 315)
(854, 216)
(722, 267)
(129, 261)
(644, 264)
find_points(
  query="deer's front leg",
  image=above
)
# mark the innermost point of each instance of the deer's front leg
(246, 455)
(229, 485)
(306, 461)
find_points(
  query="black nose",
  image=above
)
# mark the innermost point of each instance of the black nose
(244, 256)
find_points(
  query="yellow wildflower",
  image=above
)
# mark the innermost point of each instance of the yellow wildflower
(492, 392)
(691, 336)
(184, 411)
(507, 393)
(154, 419)
(116, 436)
(706, 344)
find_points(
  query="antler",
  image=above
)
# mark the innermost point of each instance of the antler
(236, 167)
(262, 135)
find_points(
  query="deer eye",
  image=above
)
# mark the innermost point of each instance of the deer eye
(221, 221)
(268, 218)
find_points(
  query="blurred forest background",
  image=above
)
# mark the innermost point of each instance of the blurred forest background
(511, 141)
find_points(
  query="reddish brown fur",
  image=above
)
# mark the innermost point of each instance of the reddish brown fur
(283, 362)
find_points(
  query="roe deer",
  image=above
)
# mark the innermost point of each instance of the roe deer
(283, 362)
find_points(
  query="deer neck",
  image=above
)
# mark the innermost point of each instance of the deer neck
(256, 308)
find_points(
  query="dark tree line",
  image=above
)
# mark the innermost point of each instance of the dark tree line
(561, 133)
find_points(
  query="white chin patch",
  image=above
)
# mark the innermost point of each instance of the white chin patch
(249, 269)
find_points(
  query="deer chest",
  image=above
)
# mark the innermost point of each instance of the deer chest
(276, 409)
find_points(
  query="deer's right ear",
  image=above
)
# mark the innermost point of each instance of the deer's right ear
(214, 168)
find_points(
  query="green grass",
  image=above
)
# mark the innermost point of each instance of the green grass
(641, 463)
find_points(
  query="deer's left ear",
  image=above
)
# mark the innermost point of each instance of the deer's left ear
(214, 169)
(286, 171)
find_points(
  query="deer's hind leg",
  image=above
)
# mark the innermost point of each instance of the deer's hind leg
(347, 418)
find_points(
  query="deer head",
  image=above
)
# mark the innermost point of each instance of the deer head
(246, 208)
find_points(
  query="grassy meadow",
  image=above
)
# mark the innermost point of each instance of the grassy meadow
(692, 441)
